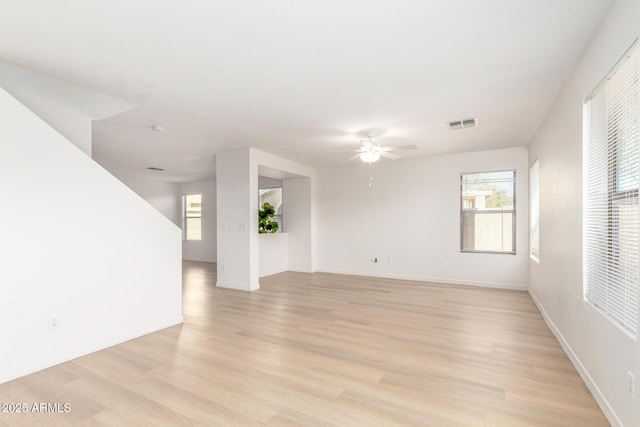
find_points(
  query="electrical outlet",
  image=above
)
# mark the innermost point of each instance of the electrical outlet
(631, 385)
(54, 322)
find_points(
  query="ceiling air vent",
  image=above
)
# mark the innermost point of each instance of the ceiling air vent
(153, 168)
(463, 124)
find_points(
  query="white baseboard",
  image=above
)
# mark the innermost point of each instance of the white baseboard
(84, 349)
(237, 286)
(495, 285)
(200, 259)
(272, 272)
(606, 408)
(300, 270)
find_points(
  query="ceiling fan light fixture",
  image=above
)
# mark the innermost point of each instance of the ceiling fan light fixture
(370, 156)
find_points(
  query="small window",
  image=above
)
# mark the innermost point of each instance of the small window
(534, 209)
(192, 217)
(611, 212)
(488, 216)
(273, 196)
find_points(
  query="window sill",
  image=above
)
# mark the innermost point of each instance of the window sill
(487, 252)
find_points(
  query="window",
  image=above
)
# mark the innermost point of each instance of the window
(192, 217)
(611, 144)
(488, 216)
(273, 196)
(534, 210)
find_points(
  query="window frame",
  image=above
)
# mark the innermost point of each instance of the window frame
(492, 211)
(534, 210)
(279, 217)
(185, 217)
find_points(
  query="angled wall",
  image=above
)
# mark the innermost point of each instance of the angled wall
(162, 195)
(67, 108)
(602, 352)
(76, 245)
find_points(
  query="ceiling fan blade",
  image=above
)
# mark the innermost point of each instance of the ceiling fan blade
(344, 151)
(400, 148)
(389, 155)
(357, 156)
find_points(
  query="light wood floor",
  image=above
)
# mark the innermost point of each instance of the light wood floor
(322, 349)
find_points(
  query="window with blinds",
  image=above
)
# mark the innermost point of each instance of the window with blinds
(611, 175)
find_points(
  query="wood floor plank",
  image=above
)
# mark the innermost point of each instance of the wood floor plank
(320, 350)
(289, 417)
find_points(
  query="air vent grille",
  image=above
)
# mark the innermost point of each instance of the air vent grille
(463, 124)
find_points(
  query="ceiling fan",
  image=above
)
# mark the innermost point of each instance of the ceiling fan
(370, 151)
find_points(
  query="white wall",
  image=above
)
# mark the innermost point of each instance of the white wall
(68, 108)
(77, 244)
(206, 249)
(266, 182)
(163, 196)
(601, 352)
(296, 214)
(410, 220)
(274, 255)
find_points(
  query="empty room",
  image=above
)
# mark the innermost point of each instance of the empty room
(337, 213)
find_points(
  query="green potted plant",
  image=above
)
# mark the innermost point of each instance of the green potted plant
(266, 223)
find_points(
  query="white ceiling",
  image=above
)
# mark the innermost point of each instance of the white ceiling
(297, 78)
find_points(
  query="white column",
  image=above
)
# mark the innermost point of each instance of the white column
(237, 208)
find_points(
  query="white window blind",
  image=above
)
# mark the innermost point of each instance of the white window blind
(611, 177)
(534, 209)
